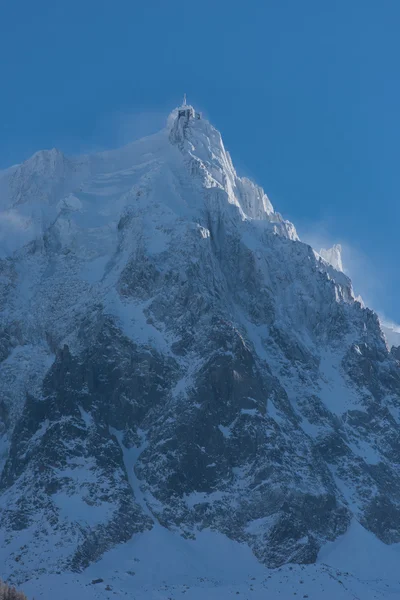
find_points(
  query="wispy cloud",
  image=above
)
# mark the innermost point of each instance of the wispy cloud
(124, 127)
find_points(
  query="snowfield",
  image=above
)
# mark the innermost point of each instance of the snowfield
(161, 565)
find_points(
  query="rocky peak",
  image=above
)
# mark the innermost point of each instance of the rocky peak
(333, 256)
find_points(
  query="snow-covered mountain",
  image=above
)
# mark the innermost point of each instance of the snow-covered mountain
(175, 361)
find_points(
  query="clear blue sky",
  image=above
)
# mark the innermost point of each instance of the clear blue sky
(305, 92)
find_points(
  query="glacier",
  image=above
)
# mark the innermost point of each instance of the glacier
(178, 369)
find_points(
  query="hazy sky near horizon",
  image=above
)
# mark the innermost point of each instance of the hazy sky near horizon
(306, 95)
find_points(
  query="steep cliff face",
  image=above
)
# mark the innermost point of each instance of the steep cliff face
(173, 355)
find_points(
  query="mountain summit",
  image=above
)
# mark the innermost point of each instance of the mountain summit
(174, 358)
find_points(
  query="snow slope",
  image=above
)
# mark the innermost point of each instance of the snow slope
(162, 565)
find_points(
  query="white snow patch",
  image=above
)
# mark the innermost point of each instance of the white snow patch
(335, 392)
(365, 451)
(131, 456)
(249, 411)
(86, 417)
(272, 412)
(202, 497)
(226, 432)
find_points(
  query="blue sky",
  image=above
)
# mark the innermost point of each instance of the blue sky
(306, 94)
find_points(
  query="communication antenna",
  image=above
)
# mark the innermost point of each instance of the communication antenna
(184, 100)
